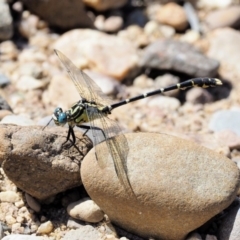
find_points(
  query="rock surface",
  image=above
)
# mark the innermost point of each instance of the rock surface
(170, 177)
(115, 57)
(36, 161)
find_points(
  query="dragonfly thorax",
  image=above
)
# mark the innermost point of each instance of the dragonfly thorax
(77, 114)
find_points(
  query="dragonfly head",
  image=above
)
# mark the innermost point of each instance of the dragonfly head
(60, 117)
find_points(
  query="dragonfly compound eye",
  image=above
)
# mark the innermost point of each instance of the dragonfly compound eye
(57, 111)
(62, 118)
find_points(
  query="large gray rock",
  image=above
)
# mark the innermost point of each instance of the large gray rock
(35, 161)
(178, 56)
(178, 186)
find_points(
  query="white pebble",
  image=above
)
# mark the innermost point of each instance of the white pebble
(9, 196)
(85, 210)
(19, 204)
(16, 228)
(45, 228)
(10, 220)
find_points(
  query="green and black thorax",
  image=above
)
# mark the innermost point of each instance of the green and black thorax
(79, 113)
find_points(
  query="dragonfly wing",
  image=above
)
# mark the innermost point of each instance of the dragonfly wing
(115, 143)
(86, 87)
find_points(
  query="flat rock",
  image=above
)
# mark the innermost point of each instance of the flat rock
(35, 161)
(61, 14)
(178, 56)
(113, 56)
(173, 180)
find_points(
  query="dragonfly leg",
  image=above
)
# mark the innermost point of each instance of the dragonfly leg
(73, 140)
(94, 128)
(68, 136)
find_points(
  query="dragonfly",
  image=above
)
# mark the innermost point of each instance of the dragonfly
(94, 107)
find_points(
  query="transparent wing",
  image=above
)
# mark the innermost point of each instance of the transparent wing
(116, 144)
(86, 87)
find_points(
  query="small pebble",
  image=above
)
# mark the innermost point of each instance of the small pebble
(225, 120)
(8, 51)
(173, 15)
(228, 138)
(45, 228)
(4, 104)
(194, 236)
(19, 204)
(9, 196)
(31, 69)
(198, 95)
(73, 224)
(33, 203)
(164, 102)
(211, 237)
(143, 81)
(27, 83)
(17, 228)
(86, 210)
(10, 220)
(113, 24)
